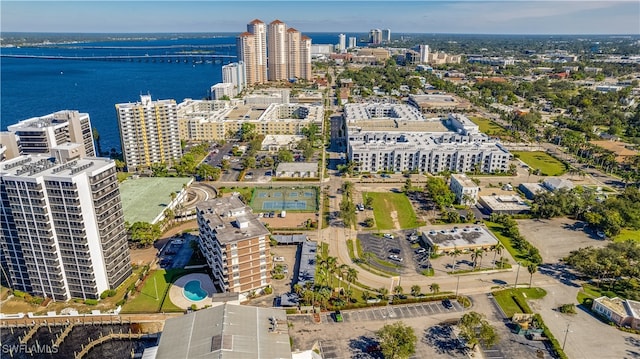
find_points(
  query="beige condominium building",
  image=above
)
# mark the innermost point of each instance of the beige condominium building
(252, 50)
(63, 231)
(235, 244)
(277, 57)
(149, 132)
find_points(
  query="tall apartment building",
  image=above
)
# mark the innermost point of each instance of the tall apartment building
(305, 58)
(375, 36)
(277, 51)
(386, 35)
(149, 132)
(235, 73)
(294, 44)
(252, 50)
(342, 42)
(63, 233)
(38, 135)
(235, 245)
(424, 53)
(353, 42)
(289, 52)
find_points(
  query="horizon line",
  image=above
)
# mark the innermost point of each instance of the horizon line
(321, 32)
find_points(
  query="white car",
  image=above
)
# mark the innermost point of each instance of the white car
(395, 258)
(278, 259)
(388, 235)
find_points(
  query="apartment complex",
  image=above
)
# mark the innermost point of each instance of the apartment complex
(235, 245)
(289, 52)
(149, 132)
(63, 232)
(375, 36)
(39, 135)
(200, 120)
(464, 188)
(396, 137)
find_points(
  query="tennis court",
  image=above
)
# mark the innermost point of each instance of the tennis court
(299, 199)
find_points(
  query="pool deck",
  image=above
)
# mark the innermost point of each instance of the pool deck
(176, 293)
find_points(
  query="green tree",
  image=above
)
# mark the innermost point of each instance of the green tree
(531, 268)
(440, 192)
(207, 172)
(247, 132)
(415, 290)
(285, 155)
(249, 163)
(475, 329)
(225, 165)
(144, 233)
(397, 341)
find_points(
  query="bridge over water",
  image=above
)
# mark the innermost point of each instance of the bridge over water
(174, 58)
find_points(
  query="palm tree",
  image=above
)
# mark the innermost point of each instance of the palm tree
(383, 292)
(455, 253)
(297, 288)
(332, 267)
(351, 276)
(435, 288)
(475, 255)
(397, 290)
(415, 290)
(497, 250)
(532, 268)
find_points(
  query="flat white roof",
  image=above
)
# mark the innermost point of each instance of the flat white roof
(447, 237)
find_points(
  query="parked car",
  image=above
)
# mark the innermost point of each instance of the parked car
(447, 304)
(395, 258)
(420, 251)
(388, 235)
(278, 259)
(338, 316)
(395, 250)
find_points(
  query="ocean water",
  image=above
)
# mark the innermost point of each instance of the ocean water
(36, 87)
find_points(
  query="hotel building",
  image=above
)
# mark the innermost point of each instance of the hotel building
(235, 245)
(393, 137)
(149, 132)
(38, 135)
(63, 232)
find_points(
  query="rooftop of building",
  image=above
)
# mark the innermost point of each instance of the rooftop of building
(231, 219)
(297, 167)
(226, 331)
(308, 257)
(146, 100)
(281, 140)
(505, 203)
(555, 183)
(144, 198)
(615, 304)
(464, 180)
(448, 237)
(58, 118)
(633, 308)
(46, 166)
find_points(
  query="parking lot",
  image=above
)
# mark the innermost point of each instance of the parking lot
(355, 336)
(397, 250)
(177, 252)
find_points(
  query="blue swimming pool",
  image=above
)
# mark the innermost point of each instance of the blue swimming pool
(194, 292)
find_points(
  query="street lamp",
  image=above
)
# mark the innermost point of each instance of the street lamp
(457, 285)
(515, 285)
(566, 333)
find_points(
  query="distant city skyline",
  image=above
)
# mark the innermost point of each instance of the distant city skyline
(468, 17)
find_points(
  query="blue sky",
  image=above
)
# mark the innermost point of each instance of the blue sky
(484, 17)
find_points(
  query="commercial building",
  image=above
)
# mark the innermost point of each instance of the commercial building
(446, 239)
(235, 245)
(63, 232)
(273, 143)
(235, 73)
(492, 61)
(623, 312)
(149, 132)
(297, 169)
(555, 183)
(38, 135)
(531, 189)
(465, 189)
(226, 331)
(394, 137)
(509, 204)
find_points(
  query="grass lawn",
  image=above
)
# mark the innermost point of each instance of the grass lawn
(489, 127)
(514, 300)
(626, 234)
(496, 229)
(245, 192)
(547, 164)
(386, 203)
(146, 300)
